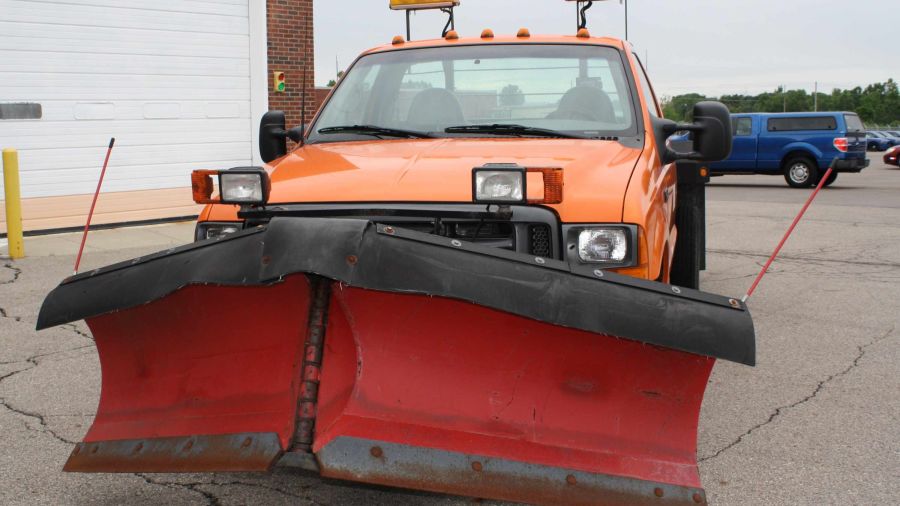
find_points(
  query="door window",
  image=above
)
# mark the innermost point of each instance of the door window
(742, 126)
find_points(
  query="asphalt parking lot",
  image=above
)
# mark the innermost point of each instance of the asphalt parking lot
(817, 422)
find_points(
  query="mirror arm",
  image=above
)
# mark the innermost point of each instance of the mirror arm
(295, 134)
(674, 156)
(689, 127)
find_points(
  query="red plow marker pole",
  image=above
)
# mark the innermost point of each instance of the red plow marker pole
(809, 202)
(87, 225)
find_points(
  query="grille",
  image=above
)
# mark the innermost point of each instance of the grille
(493, 234)
(540, 244)
(531, 238)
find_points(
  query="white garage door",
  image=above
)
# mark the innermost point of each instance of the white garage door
(170, 79)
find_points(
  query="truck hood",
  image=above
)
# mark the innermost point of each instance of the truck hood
(596, 177)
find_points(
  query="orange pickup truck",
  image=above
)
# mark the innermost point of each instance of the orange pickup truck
(458, 281)
(410, 120)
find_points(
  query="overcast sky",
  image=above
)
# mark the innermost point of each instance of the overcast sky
(708, 46)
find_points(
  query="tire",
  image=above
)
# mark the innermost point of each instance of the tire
(800, 172)
(831, 179)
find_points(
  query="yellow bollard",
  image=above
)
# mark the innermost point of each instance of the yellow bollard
(13, 203)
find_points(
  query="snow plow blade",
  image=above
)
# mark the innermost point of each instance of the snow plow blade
(382, 355)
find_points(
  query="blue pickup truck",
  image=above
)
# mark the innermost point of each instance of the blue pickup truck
(799, 146)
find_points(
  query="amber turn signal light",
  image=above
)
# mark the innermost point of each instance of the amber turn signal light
(553, 186)
(202, 186)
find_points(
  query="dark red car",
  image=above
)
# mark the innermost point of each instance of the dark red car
(892, 156)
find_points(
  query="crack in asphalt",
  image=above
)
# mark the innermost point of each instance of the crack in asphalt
(5, 314)
(10, 375)
(75, 329)
(264, 487)
(32, 361)
(37, 416)
(16, 273)
(861, 352)
(211, 498)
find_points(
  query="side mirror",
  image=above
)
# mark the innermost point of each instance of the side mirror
(711, 132)
(273, 136)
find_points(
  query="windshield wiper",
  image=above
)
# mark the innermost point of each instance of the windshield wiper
(376, 131)
(508, 129)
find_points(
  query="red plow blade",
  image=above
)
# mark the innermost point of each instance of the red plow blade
(190, 385)
(373, 378)
(443, 395)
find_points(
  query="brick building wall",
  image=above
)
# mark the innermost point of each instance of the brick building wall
(291, 50)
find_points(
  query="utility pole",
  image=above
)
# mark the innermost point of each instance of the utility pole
(784, 96)
(816, 99)
(626, 19)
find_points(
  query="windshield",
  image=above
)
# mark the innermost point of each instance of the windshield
(575, 89)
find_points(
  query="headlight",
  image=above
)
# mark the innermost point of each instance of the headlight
(207, 230)
(500, 184)
(603, 245)
(612, 246)
(244, 186)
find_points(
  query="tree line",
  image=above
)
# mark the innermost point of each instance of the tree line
(876, 104)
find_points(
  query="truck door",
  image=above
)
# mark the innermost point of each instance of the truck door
(743, 148)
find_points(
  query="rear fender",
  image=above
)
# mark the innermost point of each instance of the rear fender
(801, 149)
